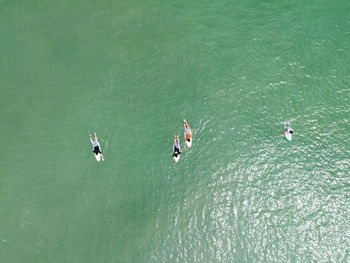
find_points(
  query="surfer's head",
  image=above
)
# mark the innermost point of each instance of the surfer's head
(188, 140)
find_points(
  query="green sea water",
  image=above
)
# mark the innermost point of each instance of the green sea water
(131, 71)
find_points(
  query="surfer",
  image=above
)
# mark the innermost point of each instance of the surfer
(176, 147)
(96, 146)
(188, 133)
(288, 129)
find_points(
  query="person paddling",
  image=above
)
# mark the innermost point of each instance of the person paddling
(287, 128)
(288, 131)
(176, 148)
(96, 148)
(188, 134)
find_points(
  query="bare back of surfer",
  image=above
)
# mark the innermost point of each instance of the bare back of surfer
(188, 132)
(176, 147)
(96, 149)
(287, 129)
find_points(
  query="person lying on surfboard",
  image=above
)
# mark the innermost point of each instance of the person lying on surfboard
(288, 130)
(188, 132)
(176, 146)
(95, 145)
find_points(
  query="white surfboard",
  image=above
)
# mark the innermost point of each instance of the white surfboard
(98, 157)
(176, 159)
(94, 141)
(287, 134)
(188, 143)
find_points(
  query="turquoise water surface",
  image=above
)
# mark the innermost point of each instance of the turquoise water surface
(131, 71)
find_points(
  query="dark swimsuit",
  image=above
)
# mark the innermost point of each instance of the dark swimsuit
(96, 150)
(176, 151)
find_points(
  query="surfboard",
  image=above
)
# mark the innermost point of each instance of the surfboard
(287, 135)
(94, 141)
(188, 143)
(176, 159)
(98, 157)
